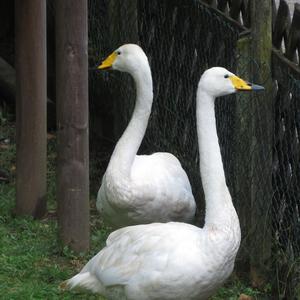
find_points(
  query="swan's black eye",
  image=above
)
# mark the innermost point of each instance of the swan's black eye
(226, 76)
(118, 52)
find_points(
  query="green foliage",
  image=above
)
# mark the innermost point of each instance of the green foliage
(234, 289)
(5, 114)
(7, 147)
(51, 172)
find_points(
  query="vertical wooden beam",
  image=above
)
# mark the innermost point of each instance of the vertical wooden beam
(72, 122)
(263, 118)
(243, 135)
(30, 61)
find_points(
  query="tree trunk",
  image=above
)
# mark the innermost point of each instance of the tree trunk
(30, 16)
(72, 122)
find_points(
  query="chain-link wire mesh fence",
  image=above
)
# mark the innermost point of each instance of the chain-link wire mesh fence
(259, 139)
(179, 49)
(286, 179)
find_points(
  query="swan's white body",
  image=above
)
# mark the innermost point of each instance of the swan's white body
(175, 260)
(146, 188)
(158, 190)
(161, 261)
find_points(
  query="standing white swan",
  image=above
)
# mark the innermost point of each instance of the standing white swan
(140, 189)
(176, 260)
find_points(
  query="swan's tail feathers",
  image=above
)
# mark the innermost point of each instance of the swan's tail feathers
(85, 281)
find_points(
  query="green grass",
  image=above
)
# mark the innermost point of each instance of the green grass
(32, 261)
(234, 288)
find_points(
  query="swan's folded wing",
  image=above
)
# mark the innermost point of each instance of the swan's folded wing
(130, 232)
(163, 187)
(129, 251)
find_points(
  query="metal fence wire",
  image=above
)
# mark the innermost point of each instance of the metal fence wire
(179, 48)
(259, 143)
(286, 180)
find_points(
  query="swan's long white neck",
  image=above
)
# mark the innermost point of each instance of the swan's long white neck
(219, 207)
(128, 145)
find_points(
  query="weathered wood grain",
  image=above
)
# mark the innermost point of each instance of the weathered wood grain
(286, 31)
(31, 99)
(72, 123)
(286, 28)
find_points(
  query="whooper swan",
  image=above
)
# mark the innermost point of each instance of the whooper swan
(175, 260)
(139, 189)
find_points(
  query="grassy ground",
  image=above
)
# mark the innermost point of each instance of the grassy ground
(32, 262)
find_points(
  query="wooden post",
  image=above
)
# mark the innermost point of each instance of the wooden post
(261, 185)
(243, 135)
(72, 122)
(30, 26)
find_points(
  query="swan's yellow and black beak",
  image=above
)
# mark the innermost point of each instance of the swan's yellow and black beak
(242, 85)
(108, 62)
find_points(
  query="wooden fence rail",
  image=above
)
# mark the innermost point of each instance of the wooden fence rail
(286, 29)
(239, 10)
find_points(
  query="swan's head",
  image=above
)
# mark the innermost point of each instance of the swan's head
(219, 82)
(127, 58)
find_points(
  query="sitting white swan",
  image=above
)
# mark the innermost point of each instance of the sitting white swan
(140, 189)
(176, 260)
